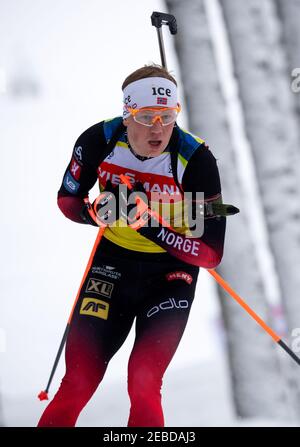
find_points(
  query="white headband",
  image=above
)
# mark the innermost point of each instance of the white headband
(149, 92)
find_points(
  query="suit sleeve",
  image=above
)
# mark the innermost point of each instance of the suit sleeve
(81, 173)
(201, 175)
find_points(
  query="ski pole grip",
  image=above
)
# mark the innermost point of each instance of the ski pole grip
(161, 18)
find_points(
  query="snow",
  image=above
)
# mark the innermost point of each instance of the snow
(61, 67)
(193, 396)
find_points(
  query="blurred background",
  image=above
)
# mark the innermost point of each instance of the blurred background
(62, 64)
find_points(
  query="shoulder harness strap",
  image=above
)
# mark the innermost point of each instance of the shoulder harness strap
(113, 141)
(211, 208)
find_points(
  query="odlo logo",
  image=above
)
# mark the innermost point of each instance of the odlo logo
(171, 303)
(95, 308)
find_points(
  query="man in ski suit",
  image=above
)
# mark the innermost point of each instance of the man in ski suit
(140, 273)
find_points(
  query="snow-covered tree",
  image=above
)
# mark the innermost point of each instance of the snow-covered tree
(271, 127)
(289, 14)
(257, 385)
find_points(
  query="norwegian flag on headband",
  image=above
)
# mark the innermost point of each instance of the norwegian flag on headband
(163, 101)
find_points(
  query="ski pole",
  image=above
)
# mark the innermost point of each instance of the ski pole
(43, 395)
(158, 19)
(231, 292)
(253, 314)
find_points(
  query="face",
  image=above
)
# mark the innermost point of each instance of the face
(148, 141)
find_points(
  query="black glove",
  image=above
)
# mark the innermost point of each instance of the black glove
(106, 208)
(136, 210)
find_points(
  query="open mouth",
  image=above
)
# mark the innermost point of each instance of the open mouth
(155, 143)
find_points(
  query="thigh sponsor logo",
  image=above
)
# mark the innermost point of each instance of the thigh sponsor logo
(180, 275)
(109, 267)
(100, 287)
(94, 308)
(106, 270)
(169, 304)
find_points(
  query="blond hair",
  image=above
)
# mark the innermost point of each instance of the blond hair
(148, 71)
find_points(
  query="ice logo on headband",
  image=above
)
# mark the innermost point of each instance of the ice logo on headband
(161, 91)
